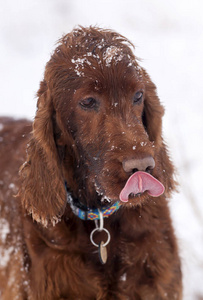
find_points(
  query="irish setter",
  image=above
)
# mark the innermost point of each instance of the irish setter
(88, 216)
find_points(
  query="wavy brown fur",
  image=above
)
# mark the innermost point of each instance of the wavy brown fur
(45, 250)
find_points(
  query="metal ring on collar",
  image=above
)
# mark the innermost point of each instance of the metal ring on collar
(98, 229)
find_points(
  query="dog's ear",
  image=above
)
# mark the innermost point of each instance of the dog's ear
(153, 111)
(152, 120)
(43, 192)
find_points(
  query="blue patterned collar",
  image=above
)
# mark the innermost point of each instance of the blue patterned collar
(90, 214)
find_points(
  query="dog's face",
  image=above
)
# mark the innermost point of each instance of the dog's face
(101, 106)
(104, 110)
(106, 124)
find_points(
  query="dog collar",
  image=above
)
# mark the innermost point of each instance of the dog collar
(85, 213)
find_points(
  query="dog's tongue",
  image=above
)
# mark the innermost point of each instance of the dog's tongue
(140, 182)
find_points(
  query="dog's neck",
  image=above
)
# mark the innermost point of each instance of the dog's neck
(86, 213)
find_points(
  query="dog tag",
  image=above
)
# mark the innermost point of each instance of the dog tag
(102, 253)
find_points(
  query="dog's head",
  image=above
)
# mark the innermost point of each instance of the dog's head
(98, 120)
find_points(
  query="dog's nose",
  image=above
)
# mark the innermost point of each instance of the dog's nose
(138, 164)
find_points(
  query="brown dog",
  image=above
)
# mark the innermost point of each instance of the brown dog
(95, 153)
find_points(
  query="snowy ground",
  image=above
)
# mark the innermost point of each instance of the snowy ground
(169, 38)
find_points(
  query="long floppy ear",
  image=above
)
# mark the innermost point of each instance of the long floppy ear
(42, 192)
(153, 112)
(152, 120)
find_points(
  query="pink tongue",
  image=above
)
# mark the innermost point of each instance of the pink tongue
(140, 182)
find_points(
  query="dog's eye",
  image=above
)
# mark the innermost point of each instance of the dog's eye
(88, 103)
(138, 97)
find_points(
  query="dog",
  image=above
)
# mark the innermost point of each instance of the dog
(88, 216)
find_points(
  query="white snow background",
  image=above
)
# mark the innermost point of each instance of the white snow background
(168, 36)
